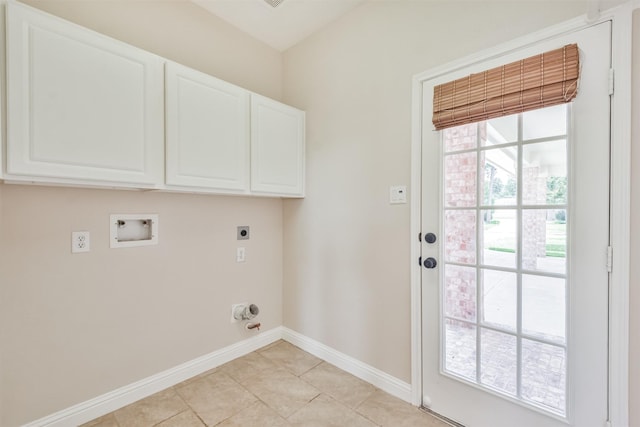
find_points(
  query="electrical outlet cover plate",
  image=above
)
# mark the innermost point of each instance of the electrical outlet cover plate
(80, 241)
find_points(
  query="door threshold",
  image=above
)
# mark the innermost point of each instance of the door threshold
(441, 417)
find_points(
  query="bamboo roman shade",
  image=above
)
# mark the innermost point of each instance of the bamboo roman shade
(540, 81)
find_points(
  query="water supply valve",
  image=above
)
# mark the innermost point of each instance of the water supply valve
(245, 311)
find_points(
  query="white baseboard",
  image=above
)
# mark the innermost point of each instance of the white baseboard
(378, 378)
(109, 402)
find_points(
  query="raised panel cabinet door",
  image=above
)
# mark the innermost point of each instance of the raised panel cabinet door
(207, 131)
(277, 148)
(81, 106)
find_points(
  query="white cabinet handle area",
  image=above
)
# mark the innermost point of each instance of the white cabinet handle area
(84, 109)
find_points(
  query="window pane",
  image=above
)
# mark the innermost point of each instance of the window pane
(462, 137)
(499, 239)
(499, 298)
(545, 122)
(460, 349)
(544, 173)
(460, 236)
(544, 375)
(544, 240)
(544, 307)
(498, 361)
(460, 180)
(501, 130)
(500, 181)
(460, 292)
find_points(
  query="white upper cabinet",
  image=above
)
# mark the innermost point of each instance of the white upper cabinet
(82, 107)
(207, 131)
(85, 109)
(277, 148)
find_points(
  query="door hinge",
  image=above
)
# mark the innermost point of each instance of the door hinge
(609, 259)
(611, 81)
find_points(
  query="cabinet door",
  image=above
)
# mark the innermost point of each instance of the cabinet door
(207, 131)
(81, 107)
(277, 148)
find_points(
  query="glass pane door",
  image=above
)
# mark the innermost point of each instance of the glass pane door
(504, 286)
(514, 316)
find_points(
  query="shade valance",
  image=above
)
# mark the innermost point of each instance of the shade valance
(539, 81)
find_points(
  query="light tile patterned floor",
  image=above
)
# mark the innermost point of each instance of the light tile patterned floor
(278, 385)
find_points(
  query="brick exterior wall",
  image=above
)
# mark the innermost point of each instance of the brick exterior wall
(534, 222)
(460, 292)
(460, 190)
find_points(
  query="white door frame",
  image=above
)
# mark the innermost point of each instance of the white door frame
(621, 18)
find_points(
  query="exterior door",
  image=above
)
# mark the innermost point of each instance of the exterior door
(515, 306)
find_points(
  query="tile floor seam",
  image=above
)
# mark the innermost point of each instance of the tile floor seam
(189, 406)
(245, 389)
(290, 375)
(346, 374)
(365, 415)
(300, 408)
(185, 404)
(340, 404)
(196, 412)
(197, 416)
(270, 406)
(305, 403)
(252, 376)
(172, 416)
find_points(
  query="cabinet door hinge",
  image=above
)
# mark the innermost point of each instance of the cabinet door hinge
(609, 259)
(611, 81)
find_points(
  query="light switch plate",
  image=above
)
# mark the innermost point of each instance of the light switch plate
(398, 194)
(241, 255)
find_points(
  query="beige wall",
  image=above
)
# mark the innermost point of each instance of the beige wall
(183, 32)
(75, 326)
(347, 270)
(634, 283)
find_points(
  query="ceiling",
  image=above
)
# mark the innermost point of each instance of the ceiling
(291, 21)
(283, 26)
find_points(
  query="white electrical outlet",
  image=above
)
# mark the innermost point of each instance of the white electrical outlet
(241, 254)
(80, 241)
